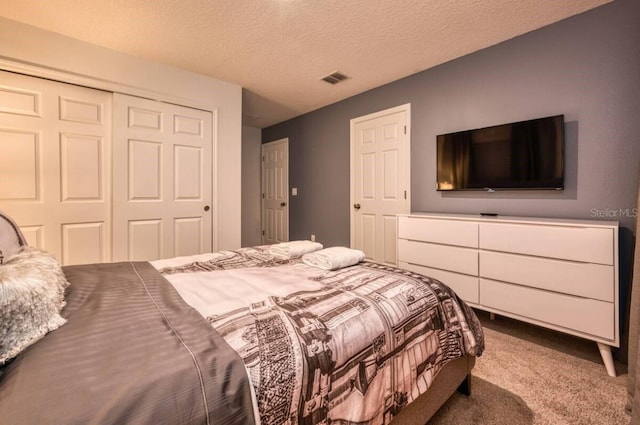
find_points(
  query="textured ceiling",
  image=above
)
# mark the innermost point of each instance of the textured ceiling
(278, 50)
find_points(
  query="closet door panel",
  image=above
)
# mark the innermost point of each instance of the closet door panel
(81, 168)
(162, 187)
(144, 239)
(55, 140)
(87, 235)
(20, 163)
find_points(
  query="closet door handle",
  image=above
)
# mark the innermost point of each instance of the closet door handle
(356, 206)
(207, 208)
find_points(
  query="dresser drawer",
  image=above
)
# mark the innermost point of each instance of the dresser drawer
(582, 279)
(447, 232)
(585, 315)
(587, 244)
(464, 285)
(450, 258)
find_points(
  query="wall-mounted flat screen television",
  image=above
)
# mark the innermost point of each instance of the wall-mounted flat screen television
(520, 155)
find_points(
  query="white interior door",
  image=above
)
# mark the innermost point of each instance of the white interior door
(275, 192)
(55, 168)
(162, 185)
(380, 180)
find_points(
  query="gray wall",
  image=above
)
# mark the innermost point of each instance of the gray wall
(586, 67)
(251, 186)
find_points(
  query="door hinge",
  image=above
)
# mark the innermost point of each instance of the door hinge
(263, 233)
(405, 129)
(262, 158)
(405, 194)
(263, 196)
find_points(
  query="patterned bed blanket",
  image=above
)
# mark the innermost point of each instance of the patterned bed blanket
(353, 345)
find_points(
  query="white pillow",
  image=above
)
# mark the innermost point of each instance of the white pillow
(32, 286)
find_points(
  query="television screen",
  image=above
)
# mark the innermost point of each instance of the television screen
(520, 155)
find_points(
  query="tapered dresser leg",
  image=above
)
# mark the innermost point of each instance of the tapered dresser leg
(607, 358)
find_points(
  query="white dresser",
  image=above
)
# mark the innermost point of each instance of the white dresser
(557, 273)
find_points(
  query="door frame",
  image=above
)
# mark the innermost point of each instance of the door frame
(285, 141)
(352, 141)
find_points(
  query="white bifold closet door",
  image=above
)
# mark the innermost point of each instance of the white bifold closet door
(55, 169)
(162, 179)
(93, 176)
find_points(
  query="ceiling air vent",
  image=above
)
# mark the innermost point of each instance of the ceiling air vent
(335, 77)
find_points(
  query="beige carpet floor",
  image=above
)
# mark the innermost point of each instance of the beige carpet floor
(531, 375)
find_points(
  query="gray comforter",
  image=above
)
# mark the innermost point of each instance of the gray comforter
(132, 352)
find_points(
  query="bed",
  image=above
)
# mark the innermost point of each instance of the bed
(243, 337)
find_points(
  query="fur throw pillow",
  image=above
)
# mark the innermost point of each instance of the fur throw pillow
(32, 287)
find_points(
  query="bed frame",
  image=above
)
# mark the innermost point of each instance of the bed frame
(454, 376)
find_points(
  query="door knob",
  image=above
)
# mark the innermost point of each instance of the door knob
(283, 204)
(356, 206)
(206, 208)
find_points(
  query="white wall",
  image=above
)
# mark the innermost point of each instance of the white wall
(251, 184)
(37, 52)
